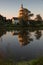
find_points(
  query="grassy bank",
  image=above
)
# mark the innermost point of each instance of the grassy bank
(12, 62)
(32, 62)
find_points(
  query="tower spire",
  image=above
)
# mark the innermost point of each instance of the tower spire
(21, 5)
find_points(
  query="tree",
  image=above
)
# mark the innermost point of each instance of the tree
(38, 18)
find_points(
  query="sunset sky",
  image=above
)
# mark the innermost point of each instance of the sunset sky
(10, 8)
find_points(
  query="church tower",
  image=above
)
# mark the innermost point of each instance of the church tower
(21, 11)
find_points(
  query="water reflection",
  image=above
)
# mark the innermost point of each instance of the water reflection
(14, 39)
(38, 34)
(14, 32)
(2, 32)
(24, 37)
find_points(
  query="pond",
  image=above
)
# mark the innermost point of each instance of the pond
(21, 44)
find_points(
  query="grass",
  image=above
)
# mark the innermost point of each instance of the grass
(32, 62)
(12, 62)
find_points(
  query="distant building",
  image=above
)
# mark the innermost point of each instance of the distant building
(15, 19)
(23, 15)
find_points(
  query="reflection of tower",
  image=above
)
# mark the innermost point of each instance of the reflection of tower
(24, 37)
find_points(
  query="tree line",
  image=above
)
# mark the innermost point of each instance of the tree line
(6, 22)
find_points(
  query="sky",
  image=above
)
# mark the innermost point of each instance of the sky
(10, 8)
